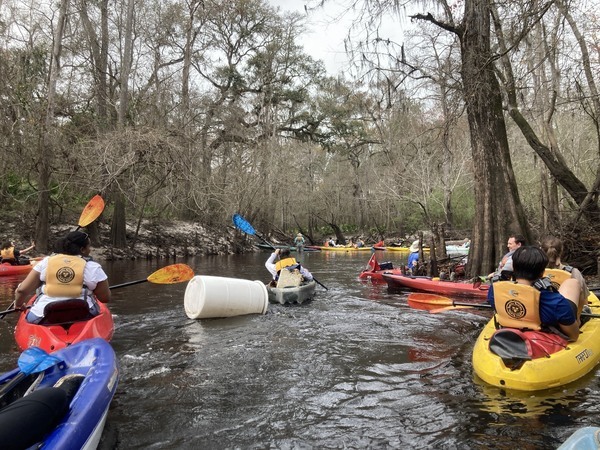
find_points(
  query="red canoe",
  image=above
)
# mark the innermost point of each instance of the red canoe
(436, 286)
(64, 331)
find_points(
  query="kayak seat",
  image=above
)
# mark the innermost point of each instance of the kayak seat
(66, 312)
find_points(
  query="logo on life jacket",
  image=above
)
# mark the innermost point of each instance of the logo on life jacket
(515, 309)
(65, 275)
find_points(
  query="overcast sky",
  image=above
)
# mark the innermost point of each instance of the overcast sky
(325, 33)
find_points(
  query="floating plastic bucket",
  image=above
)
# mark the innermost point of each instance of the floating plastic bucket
(207, 297)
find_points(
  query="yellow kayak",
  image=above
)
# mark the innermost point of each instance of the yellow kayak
(342, 249)
(403, 249)
(566, 365)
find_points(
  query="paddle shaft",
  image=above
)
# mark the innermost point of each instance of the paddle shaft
(129, 283)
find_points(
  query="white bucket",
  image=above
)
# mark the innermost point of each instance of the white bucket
(207, 297)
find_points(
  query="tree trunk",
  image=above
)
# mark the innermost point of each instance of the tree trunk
(498, 207)
(118, 237)
(47, 142)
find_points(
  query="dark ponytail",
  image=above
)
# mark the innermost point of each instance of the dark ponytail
(72, 243)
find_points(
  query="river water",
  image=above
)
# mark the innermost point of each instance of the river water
(355, 368)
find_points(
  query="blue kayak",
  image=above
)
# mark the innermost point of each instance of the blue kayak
(58, 400)
(586, 438)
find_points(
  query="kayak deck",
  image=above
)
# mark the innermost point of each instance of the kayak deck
(557, 369)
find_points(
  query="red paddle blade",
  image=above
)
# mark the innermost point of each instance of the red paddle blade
(175, 273)
(91, 211)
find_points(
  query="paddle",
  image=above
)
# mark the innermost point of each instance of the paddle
(175, 273)
(244, 226)
(91, 211)
(32, 360)
(423, 301)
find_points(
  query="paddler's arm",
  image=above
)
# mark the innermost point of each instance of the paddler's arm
(270, 264)
(102, 291)
(26, 289)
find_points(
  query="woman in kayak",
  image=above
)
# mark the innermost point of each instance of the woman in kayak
(10, 254)
(553, 247)
(558, 310)
(286, 261)
(68, 274)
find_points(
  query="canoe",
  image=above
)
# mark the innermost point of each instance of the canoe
(7, 269)
(292, 248)
(586, 438)
(343, 249)
(403, 249)
(457, 250)
(436, 286)
(64, 331)
(573, 360)
(292, 294)
(78, 390)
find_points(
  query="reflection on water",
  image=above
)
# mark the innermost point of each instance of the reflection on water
(355, 368)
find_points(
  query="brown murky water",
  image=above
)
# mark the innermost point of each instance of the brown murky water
(355, 368)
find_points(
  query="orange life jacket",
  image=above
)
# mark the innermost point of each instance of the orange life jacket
(8, 254)
(558, 276)
(517, 305)
(64, 276)
(283, 263)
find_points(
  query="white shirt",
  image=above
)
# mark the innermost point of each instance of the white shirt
(270, 265)
(92, 275)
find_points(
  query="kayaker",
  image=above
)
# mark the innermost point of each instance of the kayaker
(413, 257)
(299, 242)
(557, 309)
(68, 274)
(11, 255)
(553, 247)
(359, 243)
(504, 269)
(285, 261)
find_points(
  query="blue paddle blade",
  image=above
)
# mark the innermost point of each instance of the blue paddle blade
(34, 359)
(243, 225)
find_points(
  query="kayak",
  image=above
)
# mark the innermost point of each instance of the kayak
(7, 269)
(548, 360)
(586, 438)
(345, 249)
(377, 275)
(436, 286)
(375, 270)
(65, 329)
(292, 294)
(68, 401)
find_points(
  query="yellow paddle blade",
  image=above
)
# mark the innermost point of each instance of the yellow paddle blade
(91, 211)
(175, 273)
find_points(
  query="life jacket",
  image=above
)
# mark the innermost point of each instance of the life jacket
(517, 305)
(558, 276)
(287, 262)
(8, 254)
(64, 276)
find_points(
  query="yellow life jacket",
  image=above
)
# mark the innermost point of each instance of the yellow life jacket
(283, 263)
(8, 253)
(558, 276)
(64, 276)
(517, 305)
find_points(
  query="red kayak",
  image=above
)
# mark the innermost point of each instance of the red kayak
(374, 271)
(7, 269)
(67, 324)
(436, 286)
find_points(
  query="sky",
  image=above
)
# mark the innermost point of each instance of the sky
(327, 27)
(326, 30)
